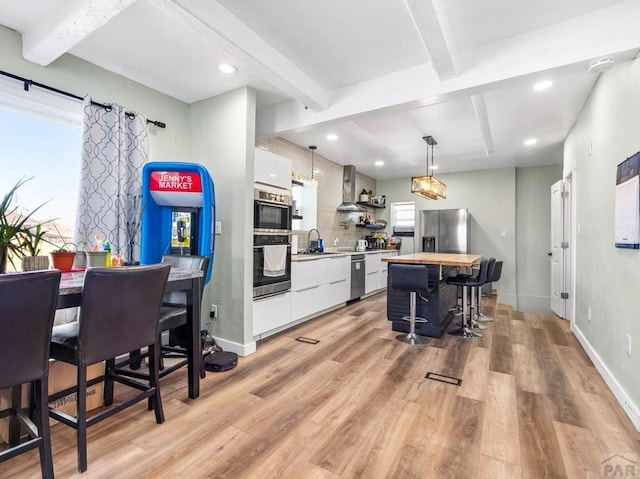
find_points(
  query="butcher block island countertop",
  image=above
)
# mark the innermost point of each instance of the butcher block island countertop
(435, 305)
(441, 259)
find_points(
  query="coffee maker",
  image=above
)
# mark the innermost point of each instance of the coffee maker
(371, 242)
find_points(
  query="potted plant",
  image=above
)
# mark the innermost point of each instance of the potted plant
(80, 261)
(31, 239)
(12, 224)
(63, 256)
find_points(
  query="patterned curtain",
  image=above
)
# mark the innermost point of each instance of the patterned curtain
(115, 147)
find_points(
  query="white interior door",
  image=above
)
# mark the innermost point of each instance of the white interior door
(557, 253)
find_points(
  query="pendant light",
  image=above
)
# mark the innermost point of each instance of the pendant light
(429, 186)
(312, 181)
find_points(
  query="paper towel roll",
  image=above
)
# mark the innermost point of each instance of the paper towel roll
(294, 244)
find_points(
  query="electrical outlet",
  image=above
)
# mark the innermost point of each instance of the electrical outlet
(589, 314)
(218, 227)
(628, 344)
(214, 311)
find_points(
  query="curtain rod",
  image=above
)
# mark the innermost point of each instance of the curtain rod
(29, 83)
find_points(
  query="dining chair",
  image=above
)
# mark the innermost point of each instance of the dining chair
(118, 313)
(27, 309)
(173, 318)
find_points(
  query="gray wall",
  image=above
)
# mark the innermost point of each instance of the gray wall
(490, 197)
(76, 76)
(606, 133)
(533, 235)
(223, 139)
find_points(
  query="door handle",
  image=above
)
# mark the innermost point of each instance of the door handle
(550, 254)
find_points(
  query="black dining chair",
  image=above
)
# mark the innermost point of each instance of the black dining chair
(118, 313)
(173, 318)
(27, 309)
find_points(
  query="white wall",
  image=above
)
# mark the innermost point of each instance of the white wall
(605, 134)
(222, 139)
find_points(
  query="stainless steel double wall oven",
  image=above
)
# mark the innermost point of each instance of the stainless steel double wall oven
(271, 227)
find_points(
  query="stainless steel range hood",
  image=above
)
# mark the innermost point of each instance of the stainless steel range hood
(349, 204)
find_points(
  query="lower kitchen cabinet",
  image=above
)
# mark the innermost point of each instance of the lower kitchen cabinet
(271, 313)
(306, 302)
(336, 281)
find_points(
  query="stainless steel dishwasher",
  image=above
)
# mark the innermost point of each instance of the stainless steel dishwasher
(357, 276)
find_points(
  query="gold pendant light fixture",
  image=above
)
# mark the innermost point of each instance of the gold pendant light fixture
(428, 186)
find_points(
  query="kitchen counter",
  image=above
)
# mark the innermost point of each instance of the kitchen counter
(335, 254)
(438, 302)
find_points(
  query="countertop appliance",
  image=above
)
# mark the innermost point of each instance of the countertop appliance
(357, 276)
(444, 231)
(361, 245)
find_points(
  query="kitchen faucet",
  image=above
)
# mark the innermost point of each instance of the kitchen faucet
(315, 247)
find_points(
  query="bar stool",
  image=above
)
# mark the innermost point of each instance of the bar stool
(476, 301)
(467, 282)
(413, 279)
(493, 277)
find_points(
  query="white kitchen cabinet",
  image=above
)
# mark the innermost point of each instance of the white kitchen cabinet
(384, 268)
(306, 293)
(271, 313)
(305, 302)
(372, 272)
(272, 169)
(337, 275)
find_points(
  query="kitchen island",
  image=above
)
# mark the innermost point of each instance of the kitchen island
(438, 302)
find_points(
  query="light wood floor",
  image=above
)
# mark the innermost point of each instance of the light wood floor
(531, 405)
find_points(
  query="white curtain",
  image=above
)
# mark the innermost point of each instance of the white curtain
(115, 147)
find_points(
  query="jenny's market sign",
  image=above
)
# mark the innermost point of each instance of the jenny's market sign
(176, 188)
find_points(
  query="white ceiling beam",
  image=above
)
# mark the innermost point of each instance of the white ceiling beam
(228, 33)
(54, 35)
(480, 110)
(432, 24)
(569, 45)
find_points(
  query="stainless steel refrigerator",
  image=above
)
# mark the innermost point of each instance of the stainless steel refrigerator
(444, 231)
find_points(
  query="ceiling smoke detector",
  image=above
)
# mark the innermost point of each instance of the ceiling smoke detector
(600, 65)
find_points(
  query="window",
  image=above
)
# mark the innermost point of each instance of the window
(41, 139)
(403, 218)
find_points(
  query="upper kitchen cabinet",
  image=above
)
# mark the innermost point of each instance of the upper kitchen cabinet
(272, 169)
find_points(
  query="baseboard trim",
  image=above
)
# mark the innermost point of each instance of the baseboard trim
(620, 394)
(239, 349)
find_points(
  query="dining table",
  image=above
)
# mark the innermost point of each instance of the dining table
(186, 280)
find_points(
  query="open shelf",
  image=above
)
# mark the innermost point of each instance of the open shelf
(370, 226)
(370, 205)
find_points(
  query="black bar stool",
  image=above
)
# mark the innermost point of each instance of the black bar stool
(414, 279)
(476, 300)
(467, 282)
(493, 276)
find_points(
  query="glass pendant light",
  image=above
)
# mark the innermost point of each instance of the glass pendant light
(428, 186)
(312, 181)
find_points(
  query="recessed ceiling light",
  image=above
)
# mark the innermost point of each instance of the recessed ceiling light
(332, 137)
(530, 142)
(542, 85)
(379, 163)
(228, 69)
